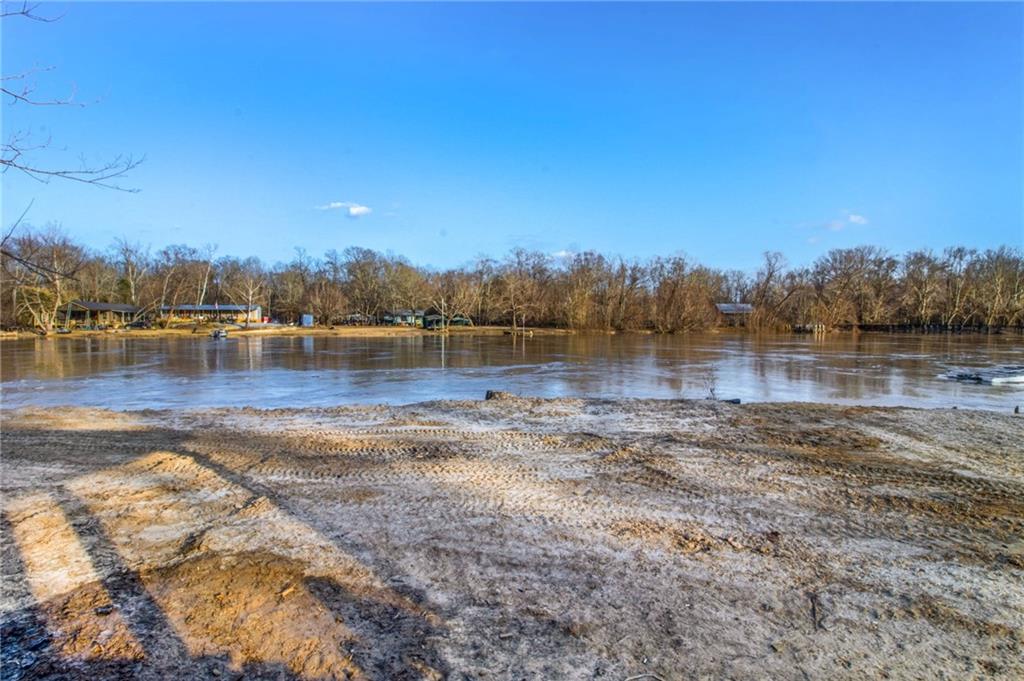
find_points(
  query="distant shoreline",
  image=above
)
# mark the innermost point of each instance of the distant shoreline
(204, 330)
(339, 331)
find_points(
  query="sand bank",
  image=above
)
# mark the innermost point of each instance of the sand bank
(514, 538)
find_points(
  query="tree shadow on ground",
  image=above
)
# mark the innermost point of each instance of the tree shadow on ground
(381, 638)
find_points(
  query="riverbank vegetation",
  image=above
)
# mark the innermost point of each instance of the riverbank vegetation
(866, 287)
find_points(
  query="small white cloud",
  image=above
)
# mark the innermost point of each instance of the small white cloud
(562, 254)
(839, 224)
(352, 209)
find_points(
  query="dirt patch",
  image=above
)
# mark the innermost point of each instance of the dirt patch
(826, 429)
(685, 539)
(513, 538)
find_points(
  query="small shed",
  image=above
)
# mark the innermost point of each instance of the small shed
(734, 314)
(306, 321)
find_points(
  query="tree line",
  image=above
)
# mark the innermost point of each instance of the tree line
(866, 287)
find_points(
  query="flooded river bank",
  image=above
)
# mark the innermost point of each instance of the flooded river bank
(868, 369)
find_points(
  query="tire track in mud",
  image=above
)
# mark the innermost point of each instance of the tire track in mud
(572, 478)
(516, 475)
(468, 507)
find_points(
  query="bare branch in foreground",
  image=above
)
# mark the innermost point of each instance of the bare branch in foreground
(26, 10)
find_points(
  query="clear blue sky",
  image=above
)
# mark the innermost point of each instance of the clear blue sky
(720, 131)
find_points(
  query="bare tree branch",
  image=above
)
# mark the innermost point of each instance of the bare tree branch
(14, 151)
(26, 10)
(7, 235)
(24, 96)
(99, 176)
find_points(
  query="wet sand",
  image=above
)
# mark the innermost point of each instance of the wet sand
(514, 538)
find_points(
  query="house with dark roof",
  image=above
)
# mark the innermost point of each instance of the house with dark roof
(214, 312)
(92, 313)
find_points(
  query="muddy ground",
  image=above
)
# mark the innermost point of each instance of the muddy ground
(514, 539)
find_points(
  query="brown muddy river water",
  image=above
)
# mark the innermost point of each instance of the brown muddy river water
(866, 369)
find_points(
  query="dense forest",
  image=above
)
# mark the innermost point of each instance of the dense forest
(866, 287)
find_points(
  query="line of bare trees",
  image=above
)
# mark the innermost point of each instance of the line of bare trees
(864, 287)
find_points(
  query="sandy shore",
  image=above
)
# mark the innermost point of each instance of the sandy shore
(514, 539)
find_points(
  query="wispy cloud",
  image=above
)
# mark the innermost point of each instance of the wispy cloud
(352, 209)
(839, 224)
(562, 254)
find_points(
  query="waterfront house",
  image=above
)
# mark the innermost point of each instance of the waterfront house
(433, 321)
(92, 313)
(215, 312)
(405, 318)
(358, 319)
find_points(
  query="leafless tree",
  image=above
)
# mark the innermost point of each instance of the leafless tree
(452, 294)
(861, 287)
(244, 281)
(40, 272)
(134, 264)
(957, 284)
(364, 278)
(19, 152)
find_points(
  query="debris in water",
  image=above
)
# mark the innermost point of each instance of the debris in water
(997, 375)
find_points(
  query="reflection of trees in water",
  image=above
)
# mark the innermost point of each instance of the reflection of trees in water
(799, 367)
(59, 358)
(251, 351)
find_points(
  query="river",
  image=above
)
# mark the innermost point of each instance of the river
(307, 371)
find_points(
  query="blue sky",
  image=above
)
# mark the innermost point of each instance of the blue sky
(444, 131)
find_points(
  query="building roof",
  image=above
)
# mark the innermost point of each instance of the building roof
(93, 306)
(216, 307)
(735, 308)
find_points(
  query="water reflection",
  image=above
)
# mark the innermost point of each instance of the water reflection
(318, 370)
